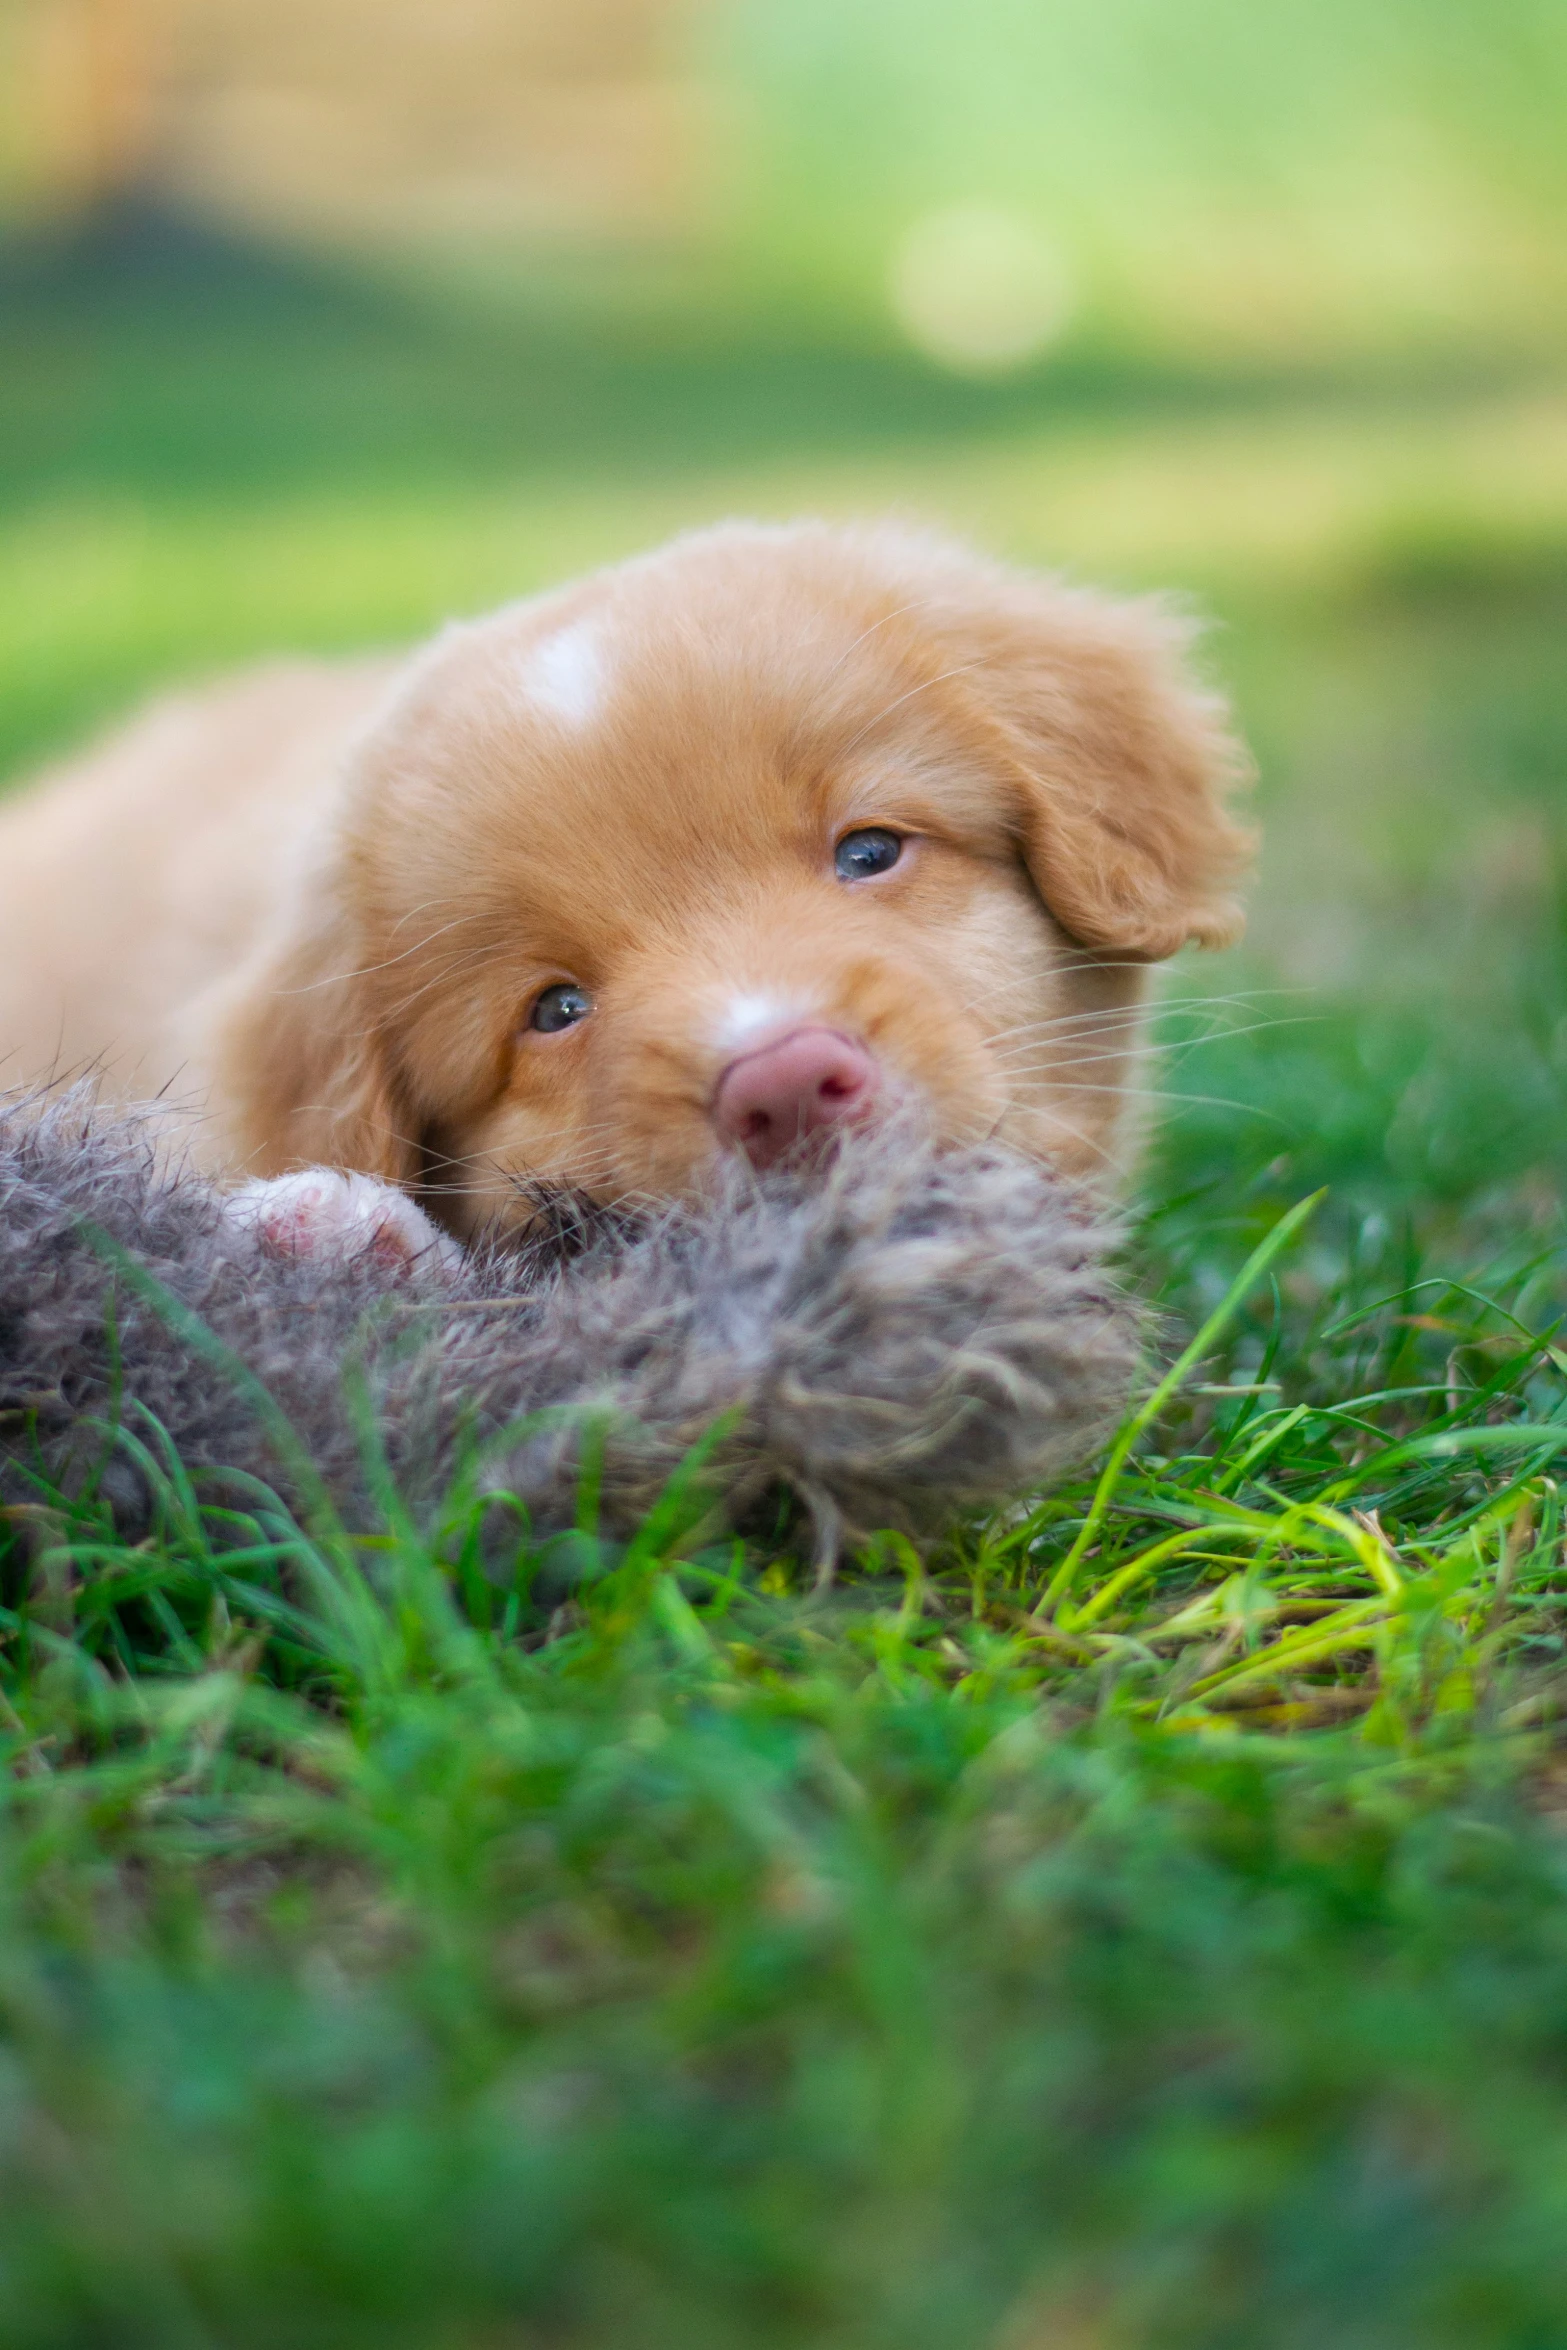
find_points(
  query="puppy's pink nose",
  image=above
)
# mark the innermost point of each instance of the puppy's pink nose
(782, 1091)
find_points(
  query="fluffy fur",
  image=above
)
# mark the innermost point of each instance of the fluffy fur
(899, 1332)
(319, 905)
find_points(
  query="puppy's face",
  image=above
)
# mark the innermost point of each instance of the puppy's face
(769, 831)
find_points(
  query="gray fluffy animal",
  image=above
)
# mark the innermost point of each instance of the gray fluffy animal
(883, 1337)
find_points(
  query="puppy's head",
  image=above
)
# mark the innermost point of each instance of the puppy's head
(760, 833)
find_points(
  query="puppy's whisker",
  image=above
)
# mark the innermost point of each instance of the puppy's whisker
(368, 970)
(1064, 1072)
(1152, 1013)
(412, 913)
(1067, 1082)
(900, 612)
(525, 1177)
(497, 1162)
(1110, 1017)
(448, 1166)
(459, 959)
(1102, 1045)
(926, 685)
(1206, 1101)
(1145, 1008)
(1121, 1036)
(1152, 1046)
(1067, 1026)
(438, 979)
(1090, 1142)
(1219, 1034)
(1041, 1062)
(598, 1157)
(1009, 984)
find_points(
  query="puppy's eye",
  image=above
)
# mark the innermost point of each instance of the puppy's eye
(560, 1007)
(861, 855)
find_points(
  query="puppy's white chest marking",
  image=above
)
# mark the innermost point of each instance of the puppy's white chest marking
(566, 676)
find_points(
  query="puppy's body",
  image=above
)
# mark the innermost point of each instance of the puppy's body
(332, 908)
(138, 879)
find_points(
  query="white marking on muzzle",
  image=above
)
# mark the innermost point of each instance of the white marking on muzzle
(746, 1018)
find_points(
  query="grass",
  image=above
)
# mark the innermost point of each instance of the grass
(1142, 1922)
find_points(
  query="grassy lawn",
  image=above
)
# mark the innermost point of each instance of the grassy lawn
(1144, 1922)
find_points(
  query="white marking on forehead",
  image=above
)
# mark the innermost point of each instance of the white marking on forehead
(565, 674)
(746, 1017)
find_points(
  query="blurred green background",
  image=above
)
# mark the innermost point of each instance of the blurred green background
(323, 323)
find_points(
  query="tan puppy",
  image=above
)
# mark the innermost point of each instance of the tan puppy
(754, 834)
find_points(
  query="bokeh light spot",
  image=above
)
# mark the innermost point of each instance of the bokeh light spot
(979, 289)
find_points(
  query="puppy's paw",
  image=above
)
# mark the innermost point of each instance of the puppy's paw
(321, 1212)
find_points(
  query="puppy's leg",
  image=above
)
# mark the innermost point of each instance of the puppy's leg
(322, 1212)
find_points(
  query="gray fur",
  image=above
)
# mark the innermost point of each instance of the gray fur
(886, 1337)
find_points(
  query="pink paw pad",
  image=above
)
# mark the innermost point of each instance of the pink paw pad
(322, 1213)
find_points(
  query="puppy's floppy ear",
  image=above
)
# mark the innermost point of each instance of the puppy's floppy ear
(1122, 761)
(305, 1076)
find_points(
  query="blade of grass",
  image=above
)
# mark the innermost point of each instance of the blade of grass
(1143, 1418)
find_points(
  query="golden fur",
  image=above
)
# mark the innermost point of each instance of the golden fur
(321, 901)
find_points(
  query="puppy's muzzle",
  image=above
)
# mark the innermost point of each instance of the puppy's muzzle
(791, 1087)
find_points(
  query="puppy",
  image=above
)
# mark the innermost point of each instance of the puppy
(732, 844)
